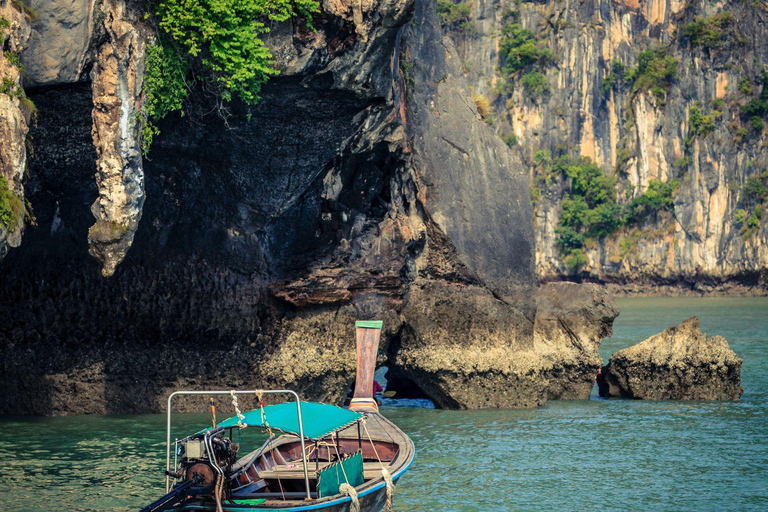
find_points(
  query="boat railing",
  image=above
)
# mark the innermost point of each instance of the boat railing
(236, 392)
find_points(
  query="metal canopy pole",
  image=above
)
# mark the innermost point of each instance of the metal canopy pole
(249, 392)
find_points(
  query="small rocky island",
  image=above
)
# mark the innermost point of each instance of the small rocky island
(680, 363)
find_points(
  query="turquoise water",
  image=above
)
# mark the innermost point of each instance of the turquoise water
(583, 455)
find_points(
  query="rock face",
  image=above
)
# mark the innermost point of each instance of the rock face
(16, 112)
(571, 321)
(584, 108)
(680, 363)
(118, 78)
(364, 185)
(60, 43)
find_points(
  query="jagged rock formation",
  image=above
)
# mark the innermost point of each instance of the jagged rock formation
(680, 363)
(15, 115)
(584, 106)
(118, 78)
(571, 321)
(364, 184)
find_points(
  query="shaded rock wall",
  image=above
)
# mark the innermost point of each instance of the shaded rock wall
(364, 185)
(635, 135)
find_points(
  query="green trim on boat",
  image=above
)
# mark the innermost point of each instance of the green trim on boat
(254, 501)
(369, 324)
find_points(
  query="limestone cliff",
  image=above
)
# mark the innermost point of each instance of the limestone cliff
(16, 112)
(572, 92)
(117, 99)
(363, 185)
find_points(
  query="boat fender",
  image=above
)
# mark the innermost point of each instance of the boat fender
(350, 491)
(390, 489)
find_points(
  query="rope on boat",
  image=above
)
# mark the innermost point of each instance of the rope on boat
(384, 472)
(240, 416)
(260, 395)
(390, 489)
(352, 493)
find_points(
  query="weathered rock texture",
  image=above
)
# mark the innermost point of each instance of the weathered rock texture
(15, 115)
(118, 78)
(680, 363)
(60, 43)
(699, 246)
(364, 185)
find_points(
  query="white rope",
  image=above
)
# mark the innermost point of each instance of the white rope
(352, 493)
(240, 417)
(384, 472)
(390, 489)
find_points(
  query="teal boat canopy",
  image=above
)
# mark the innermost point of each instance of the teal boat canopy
(319, 420)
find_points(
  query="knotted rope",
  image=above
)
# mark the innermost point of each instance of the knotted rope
(352, 493)
(390, 489)
(240, 416)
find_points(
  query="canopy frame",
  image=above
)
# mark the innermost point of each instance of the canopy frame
(236, 392)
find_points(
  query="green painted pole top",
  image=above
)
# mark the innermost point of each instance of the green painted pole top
(369, 324)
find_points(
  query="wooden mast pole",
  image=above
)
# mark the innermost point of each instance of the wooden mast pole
(368, 335)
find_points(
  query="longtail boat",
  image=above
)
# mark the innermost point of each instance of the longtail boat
(326, 459)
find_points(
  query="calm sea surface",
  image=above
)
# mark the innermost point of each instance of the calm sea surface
(585, 455)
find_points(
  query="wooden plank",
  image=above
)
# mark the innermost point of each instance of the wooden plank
(367, 350)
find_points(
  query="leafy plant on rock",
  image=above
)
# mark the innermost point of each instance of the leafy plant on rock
(655, 72)
(217, 41)
(708, 31)
(456, 16)
(11, 207)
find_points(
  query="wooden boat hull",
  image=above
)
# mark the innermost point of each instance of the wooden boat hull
(373, 500)
(372, 495)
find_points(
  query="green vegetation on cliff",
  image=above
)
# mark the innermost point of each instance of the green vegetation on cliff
(456, 16)
(754, 200)
(214, 42)
(520, 50)
(757, 108)
(590, 209)
(655, 73)
(708, 31)
(11, 207)
(699, 123)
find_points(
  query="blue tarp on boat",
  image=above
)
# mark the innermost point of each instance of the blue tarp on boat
(319, 419)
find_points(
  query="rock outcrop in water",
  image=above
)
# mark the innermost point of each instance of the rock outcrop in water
(364, 185)
(680, 363)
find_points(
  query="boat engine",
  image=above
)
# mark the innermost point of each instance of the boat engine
(207, 456)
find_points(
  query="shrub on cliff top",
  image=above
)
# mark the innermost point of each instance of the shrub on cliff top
(217, 41)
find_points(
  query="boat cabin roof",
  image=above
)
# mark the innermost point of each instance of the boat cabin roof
(318, 420)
